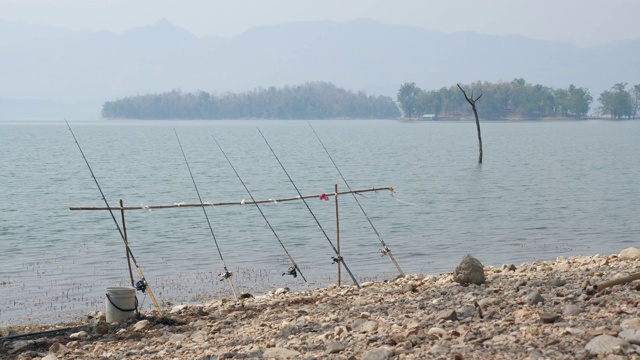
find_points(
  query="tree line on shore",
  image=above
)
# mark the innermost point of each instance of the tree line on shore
(321, 100)
(518, 100)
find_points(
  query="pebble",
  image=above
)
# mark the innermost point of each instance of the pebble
(79, 335)
(572, 310)
(335, 347)
(382, 353)
(506, 317)
(280, 353)
(141, 325)
(533, 298)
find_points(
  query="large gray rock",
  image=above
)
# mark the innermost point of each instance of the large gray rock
(606, 344)
(470, 271)
(631, 253)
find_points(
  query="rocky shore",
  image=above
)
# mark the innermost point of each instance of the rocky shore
(543, 310)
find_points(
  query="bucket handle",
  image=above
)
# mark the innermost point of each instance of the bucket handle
(121, 309)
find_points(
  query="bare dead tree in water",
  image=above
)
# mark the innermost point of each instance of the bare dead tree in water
(472, 101)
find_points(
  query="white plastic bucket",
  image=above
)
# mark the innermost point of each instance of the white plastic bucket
(121, 303)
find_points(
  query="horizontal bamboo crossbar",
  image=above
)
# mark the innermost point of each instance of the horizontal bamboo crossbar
(181, 205)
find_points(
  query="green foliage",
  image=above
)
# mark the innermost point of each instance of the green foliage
(408, 99)
(619, 102)
(515, 99)
(316, 100)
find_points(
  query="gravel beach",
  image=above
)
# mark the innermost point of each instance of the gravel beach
(558, 309)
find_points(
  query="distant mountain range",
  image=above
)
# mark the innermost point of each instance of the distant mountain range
(54, 73)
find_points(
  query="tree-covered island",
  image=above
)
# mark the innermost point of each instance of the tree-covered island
(315, 100)
(516, 99)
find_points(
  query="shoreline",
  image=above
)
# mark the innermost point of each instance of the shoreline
(543, 309)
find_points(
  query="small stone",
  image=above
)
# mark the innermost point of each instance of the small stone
(335, 347)
(533, 298)
(510, 267)
(467, 311)
(140, 325)
(281, 291)
(58, 348)
(200, 323)
(549, 317)
(279, 353)
(101, 328)
(94, 314)
(178, 308)
(615, 357)
(50, 357)
(633, 323)
(338, 330)
(558, 282)
(198, 336)
(447, 315)
(79, 335)
(367, 284)
(177, 338)
(381, 353)
(437, 331)
(245, 296)
(437, 350)
(572, 310)
(488, 302)
(408, 288)
(364, 325)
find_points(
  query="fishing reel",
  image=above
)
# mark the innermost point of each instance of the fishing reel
(385, 251)
(225, 275)
(141, 285)
(336, 259)
(291, 271)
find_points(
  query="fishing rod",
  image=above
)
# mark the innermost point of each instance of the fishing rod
(385, 249)
(226, 274)
(142, 284)
(337, 259)
(294, 270)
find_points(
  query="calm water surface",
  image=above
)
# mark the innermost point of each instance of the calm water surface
(546, 189)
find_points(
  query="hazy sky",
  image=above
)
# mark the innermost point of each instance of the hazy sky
(581, 22)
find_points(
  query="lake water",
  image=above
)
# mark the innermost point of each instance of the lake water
(545, 189)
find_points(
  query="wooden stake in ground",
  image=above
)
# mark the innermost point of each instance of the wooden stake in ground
(472, 101)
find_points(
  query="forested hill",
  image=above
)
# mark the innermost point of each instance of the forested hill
(317, 100)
